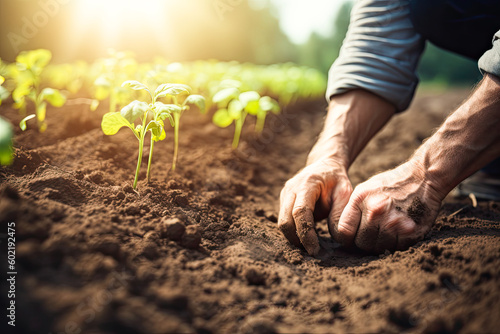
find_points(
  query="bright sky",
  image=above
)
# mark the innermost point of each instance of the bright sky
(299, 18)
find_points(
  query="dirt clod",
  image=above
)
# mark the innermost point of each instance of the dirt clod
(172, 228)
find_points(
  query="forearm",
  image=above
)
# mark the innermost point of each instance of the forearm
(467, 140)
(353, 119)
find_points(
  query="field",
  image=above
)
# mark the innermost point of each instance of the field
(94, 256)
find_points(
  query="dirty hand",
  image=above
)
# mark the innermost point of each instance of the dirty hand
(320, 190)
(391, 211)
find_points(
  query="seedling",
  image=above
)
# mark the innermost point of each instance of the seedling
(151, 117)
(27, 74)
(190, 100)
(239, 105)
(112, 72)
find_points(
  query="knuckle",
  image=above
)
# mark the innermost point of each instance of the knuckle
(375, 211)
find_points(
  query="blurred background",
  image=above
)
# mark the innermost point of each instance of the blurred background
(258, 31)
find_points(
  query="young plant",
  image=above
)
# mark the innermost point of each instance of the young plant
(27, 74)
(235, 106)
(151, 117)
(191, 100)
(112, 71)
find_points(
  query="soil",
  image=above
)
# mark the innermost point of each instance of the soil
(198, 250)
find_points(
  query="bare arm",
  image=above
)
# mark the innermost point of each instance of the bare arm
(467, 140)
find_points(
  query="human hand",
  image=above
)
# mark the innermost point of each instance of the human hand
(392, 210)
(320, 190)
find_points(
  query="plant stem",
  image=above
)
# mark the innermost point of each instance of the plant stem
(141, 142)
(177, 118)
(259, 124)
(238, 125)
(150, 158)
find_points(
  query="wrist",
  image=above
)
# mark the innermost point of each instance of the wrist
(353, 119)
(432, 183)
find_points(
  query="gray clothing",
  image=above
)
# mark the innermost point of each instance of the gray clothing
(381, 51)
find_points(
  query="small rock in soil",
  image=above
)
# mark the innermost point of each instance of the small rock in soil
(172, 228)
(191, 238)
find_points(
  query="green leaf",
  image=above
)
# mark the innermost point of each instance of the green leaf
(22, 124)
(157, 130)
(114, 121)
(136, 85)
(222, 118)
(253, 108)
(268, 104)
(6, 133)
(234, 109)
(247, 97)
(196, 100)
(53, 96)
(162, 109)
(34, 59)
(224, 96)
(2, 79)
(134, 110)
(171, 89)
(20, 92)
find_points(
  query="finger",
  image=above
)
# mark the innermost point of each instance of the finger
(340, 198)
(285, 220)
(375, 212)
(349, 221)
(304, 221)
(387, 238)
(367, 234)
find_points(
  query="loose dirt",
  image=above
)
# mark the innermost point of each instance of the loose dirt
(199, 251)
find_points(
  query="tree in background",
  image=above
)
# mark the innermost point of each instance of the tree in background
(444, 68)
(320, 51)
